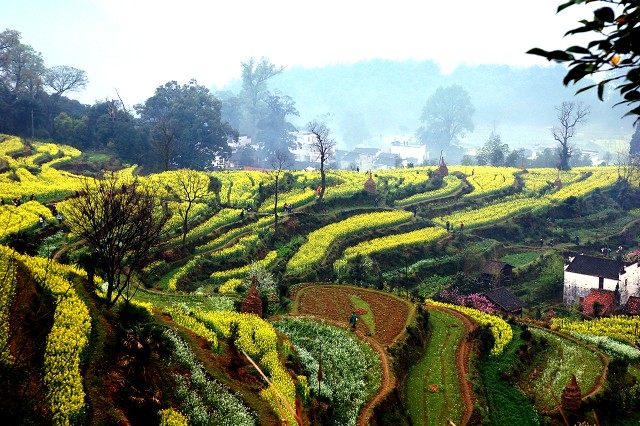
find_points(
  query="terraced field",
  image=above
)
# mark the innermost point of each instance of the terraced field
(436, 392)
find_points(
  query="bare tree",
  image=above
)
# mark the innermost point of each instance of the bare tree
(187, 186)
(64, 78)
(628, 167)
(280, 161)
(570, 114)
(122, 222)
(61, 79)
(323, 147)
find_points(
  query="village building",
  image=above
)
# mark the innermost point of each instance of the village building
(408, 153)
(496, 274)
(506, 300)
(303, 150)
(610, 277)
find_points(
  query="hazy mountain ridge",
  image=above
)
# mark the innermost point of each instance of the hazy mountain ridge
(375, 98)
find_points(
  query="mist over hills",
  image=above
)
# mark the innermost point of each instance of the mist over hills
(376, 99)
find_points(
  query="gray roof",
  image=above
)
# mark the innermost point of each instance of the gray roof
(495, 267)
(596, 266)
(504, 298)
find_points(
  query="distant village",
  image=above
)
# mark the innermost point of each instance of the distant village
(396, 152)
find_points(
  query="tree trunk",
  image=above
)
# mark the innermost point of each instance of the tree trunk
(275, 210)
(564, 156)
(323, 180)
(185, 224)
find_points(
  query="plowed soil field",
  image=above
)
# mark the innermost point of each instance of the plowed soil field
(389, 314)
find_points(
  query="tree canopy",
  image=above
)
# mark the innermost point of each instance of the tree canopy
(494, 152)
(446, 117)
(25, 105)
(185, 126)
(613, 53)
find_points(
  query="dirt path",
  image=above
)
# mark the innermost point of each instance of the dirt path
(387, 384)
(462, 360)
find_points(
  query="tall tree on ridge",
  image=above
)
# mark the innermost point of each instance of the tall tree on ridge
(280, 161)
(254, 89)
(185, 124)
(122, 221)
(273, 131)
(570, 114)
(446, 117)
(634, 144)
(187, 187)
(323, 147)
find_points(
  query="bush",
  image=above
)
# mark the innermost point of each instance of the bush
(485, 339)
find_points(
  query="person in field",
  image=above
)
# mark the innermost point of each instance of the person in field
(353, 320)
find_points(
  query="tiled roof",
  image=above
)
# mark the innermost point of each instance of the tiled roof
(494, 267)
(504, 298)
(605, 297)
(633, 306)
(596, 266)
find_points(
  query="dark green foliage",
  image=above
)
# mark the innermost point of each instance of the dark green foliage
(133, 315)
(363, 271)
(287, 250)
(620, 397)
(408, 352)
(613, 49)
(185, 127)
(430, 285)
(506, 405)
(494, 152)
(390, 411)
(405, 354)
(506, 231)
(22, 242)
(541, 281)
(634, 145)
(466, 284)
(484, 338)
(139, 384)
(525, 334)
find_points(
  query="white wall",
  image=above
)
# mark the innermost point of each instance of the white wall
(577, 286)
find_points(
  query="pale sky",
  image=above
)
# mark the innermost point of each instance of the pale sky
(135, 46)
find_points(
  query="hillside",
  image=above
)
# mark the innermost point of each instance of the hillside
(236, 316)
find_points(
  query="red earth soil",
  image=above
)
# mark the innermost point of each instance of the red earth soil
(333, 302)
(390, 317)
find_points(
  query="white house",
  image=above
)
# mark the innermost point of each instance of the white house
(416, 154)
(303, 147)
(585, 273)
